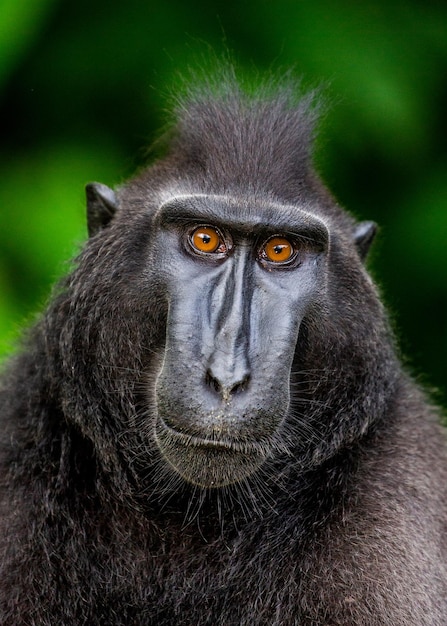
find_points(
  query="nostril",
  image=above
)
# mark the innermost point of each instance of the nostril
(227, 388)
(240, 386)
(212, 382)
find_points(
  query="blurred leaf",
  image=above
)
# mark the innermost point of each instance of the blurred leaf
(42, 221)
(9, 316)
(20, 21)
(419, 232)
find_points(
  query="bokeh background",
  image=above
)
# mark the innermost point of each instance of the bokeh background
(83, 89)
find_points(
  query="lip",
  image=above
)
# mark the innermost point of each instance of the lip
(208, 462)
(194, 441)
(225, 443)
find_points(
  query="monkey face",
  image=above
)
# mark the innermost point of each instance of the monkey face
(239, 280)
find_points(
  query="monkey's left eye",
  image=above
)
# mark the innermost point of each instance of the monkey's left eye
(278, 250)
(208, 240)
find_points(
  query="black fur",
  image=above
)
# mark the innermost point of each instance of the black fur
(345, 522)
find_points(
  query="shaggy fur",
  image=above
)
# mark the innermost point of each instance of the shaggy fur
(344, 524)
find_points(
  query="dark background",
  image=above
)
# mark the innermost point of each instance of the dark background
(83, 88)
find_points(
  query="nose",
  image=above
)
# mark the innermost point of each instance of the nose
(227, 364)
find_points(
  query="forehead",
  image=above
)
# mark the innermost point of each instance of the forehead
(246, 215)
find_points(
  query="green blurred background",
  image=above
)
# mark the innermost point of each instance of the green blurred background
(82, 93)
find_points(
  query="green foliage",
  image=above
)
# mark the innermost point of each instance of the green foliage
(21, 22)
(82, 91)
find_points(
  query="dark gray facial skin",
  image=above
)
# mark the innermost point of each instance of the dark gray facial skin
(234, 317)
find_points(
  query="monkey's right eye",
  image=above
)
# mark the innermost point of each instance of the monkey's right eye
(207, 240)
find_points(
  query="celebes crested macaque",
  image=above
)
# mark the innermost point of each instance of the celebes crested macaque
(209, 425)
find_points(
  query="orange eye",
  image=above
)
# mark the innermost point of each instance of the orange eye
(207, 239)
(278, 250)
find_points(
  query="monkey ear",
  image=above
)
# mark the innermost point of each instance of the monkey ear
(363, 237)
(101, 206)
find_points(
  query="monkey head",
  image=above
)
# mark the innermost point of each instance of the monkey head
(220, 317)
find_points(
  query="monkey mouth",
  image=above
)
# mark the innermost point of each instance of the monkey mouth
(209, 462)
